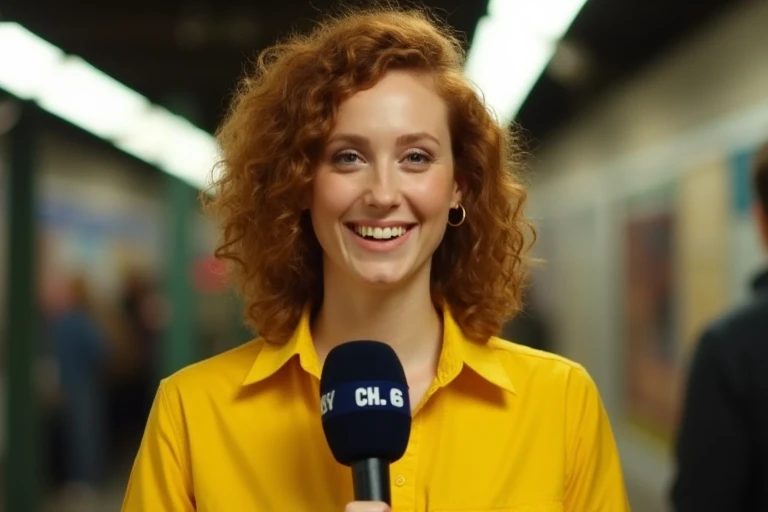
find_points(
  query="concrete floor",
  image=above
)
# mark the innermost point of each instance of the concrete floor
(106, 500)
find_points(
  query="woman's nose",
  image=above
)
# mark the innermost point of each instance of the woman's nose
(383, 189)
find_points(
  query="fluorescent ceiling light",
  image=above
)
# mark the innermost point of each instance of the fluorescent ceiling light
(151, 134)
(548, 18)
(70, 88)
(26, 61)
(172, 143)
(91, 100)
(504, 77)
(512, 46)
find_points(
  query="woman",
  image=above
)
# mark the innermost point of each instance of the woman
(367, 194)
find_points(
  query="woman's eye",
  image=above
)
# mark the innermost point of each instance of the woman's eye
(346, 157)
(418, 158)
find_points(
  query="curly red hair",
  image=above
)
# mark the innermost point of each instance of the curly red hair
(271, 141)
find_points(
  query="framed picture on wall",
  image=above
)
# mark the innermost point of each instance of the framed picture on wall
(651, 315)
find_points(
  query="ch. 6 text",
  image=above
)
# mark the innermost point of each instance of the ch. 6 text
(365, 396)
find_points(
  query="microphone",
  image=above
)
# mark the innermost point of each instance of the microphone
(366, 413)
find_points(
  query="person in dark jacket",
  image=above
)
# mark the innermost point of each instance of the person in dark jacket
(722, 445)
(82, 354)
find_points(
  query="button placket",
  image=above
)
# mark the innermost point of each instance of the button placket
(403, 473)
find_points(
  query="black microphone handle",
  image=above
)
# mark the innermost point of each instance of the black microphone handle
(370, 478)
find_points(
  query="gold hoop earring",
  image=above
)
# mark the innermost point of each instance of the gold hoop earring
(463, 216)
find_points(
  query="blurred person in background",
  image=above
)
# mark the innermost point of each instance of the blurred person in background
(144, 314)
(722, 443)
(387, 207)
(81, 352)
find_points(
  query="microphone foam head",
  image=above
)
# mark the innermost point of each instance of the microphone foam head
(364, 402)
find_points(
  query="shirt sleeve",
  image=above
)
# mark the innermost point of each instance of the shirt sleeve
(712, 447)
(594, 482)
(160, 480)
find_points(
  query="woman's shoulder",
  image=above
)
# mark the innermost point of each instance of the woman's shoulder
(510, 350)
(530, 367)
(223, 372)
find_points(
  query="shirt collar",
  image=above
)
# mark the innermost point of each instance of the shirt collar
(457, 352)
(273, 356)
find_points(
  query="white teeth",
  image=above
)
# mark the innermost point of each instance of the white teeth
(379, 233)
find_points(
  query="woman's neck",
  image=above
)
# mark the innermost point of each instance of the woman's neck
(405, 318)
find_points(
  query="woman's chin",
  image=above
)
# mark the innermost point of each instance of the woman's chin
(382, 276)
(381, 280)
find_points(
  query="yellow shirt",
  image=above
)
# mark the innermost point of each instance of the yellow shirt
(503, 428)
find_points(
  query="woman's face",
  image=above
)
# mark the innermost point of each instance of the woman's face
(385, 182)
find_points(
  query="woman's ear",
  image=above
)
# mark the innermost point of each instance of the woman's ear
(458, 193)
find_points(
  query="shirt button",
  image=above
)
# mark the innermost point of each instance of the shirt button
(400, 481)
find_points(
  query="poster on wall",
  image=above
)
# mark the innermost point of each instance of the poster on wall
(703, 226)
(651, 311)
(99, 244)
